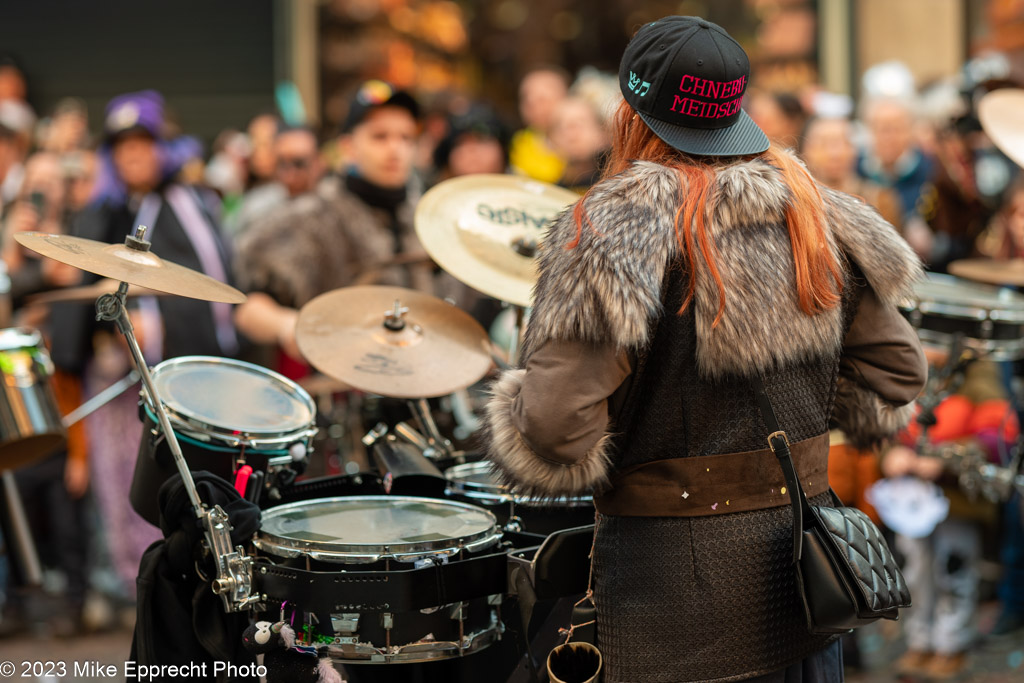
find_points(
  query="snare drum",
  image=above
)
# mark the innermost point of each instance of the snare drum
(474, 482)
(225, 414)
(30, 423)
(990, 319)
(365, 541)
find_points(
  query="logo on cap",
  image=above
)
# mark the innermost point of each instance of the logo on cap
(637, 85)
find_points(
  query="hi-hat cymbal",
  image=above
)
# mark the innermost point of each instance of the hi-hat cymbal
(89, 293)
(124, 264)
(990, 271)
(431, 348)
(1000, 115)
(484, 229)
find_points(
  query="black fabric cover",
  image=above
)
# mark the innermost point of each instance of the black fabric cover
(180, 620)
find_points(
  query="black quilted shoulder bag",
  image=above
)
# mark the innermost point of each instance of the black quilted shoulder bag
(845, 573)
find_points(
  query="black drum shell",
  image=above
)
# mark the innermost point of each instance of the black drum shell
(155, 465)
(407, 626)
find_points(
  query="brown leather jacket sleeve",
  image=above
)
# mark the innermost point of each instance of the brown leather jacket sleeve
(881, 371)
(562, 409)
(882, 352)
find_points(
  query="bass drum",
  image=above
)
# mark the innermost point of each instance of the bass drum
(474, 483)
(226, 414)
(30, 423)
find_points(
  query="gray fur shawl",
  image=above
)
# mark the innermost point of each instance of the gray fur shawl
(609, 286)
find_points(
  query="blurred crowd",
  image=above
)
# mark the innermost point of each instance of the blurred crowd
(287, 212)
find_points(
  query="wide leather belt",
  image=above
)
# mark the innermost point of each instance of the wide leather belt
(714, 484)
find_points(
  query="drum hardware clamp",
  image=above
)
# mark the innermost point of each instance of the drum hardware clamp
(438, 446)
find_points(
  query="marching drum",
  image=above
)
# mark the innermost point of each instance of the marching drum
(365, 566)
(473, 482)
(226, 414)
(30, 423)
(990, 319)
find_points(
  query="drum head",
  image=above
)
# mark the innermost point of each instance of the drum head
(220, 393)
(360, 529)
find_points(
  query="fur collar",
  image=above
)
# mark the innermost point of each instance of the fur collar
(609, 285)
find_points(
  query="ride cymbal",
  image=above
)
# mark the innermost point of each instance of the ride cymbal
(126, 264)
(484, 229)
(393, 341)
(990, 271)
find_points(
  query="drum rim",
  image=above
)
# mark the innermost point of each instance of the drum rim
(194, 421)
(466, 487)
(495, 494)
(359, 553)
(1007, 309)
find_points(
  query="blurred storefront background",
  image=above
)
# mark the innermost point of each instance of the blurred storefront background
(217, 62)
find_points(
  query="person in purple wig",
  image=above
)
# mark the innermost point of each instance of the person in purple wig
(137, 185)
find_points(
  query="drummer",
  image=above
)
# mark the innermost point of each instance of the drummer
(332, 237)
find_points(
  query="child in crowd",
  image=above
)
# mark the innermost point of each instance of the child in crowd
(942, 567)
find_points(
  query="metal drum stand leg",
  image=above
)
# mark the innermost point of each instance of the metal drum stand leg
(233, 580)
(18, 543)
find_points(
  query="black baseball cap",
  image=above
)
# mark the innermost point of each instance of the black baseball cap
(374, 94)
(685, 77)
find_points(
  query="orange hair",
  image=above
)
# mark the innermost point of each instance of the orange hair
(818, 276)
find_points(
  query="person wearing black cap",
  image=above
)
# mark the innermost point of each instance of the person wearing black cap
(703, 260)
(324, 240)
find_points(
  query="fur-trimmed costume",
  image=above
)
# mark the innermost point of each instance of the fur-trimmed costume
(614, 380)
(324, 240)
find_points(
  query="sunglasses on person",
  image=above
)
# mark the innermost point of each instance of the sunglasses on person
(296, 163)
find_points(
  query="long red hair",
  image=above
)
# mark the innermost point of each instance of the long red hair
(818, 275)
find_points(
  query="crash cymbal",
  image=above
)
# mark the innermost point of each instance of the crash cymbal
(89, 293)
(484, 229)
(1000, 115)
(125, 264)
(990, 271)
(429, 348)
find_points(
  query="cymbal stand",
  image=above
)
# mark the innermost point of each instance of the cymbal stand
(233, 580)
(17, 535)
(438, 447)
(518, 330)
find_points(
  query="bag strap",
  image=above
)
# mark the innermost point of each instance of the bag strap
(779, 443)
